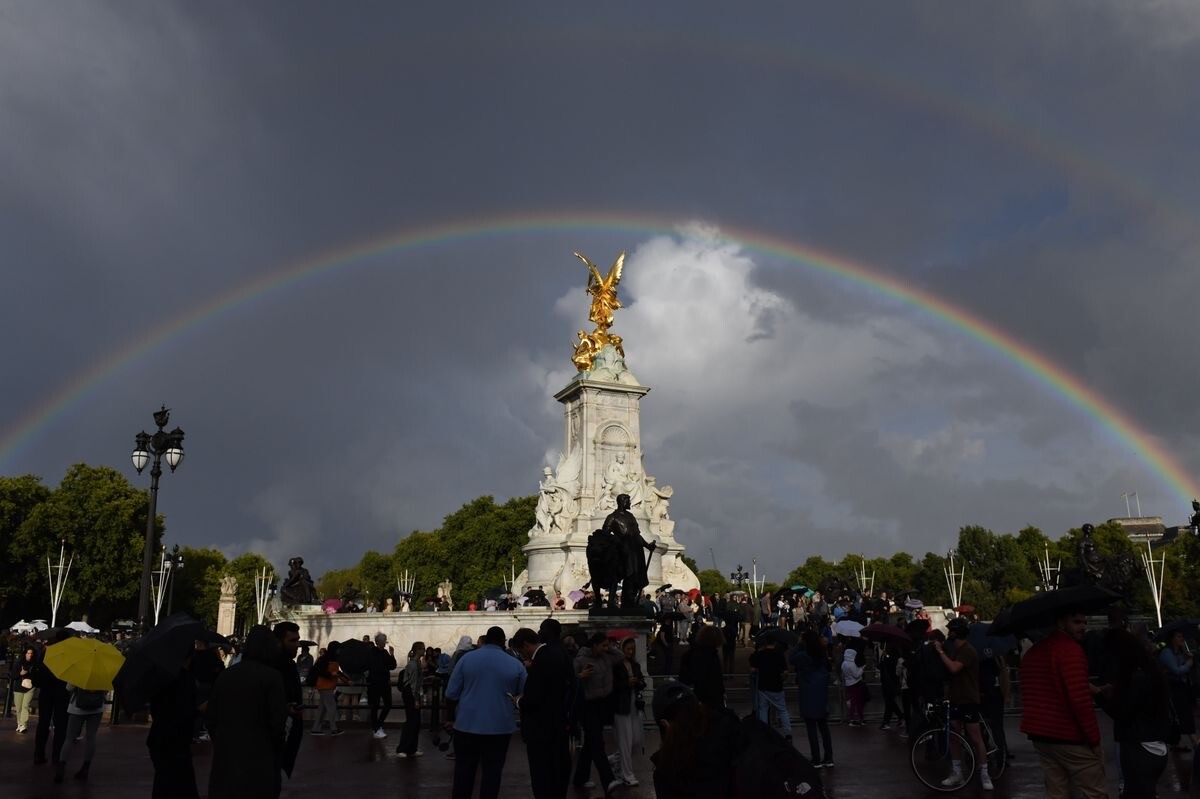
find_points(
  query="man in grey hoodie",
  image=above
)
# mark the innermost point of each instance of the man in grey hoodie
(594, 668)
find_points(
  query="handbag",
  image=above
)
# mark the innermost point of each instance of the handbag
(27, 684)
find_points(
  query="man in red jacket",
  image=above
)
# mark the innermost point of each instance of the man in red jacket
(1057, 712)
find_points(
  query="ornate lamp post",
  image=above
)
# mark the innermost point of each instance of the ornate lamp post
(146, 447)
(739, 577)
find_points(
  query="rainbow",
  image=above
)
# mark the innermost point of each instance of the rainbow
(1116, 422)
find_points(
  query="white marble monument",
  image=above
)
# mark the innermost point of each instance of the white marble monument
(602, 459)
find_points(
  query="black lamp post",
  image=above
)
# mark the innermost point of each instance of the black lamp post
(161, 444)
(174, 562)
(739, 577)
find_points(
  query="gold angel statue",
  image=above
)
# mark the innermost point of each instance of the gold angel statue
(603, 290)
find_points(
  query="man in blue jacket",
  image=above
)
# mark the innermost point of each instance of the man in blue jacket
(486, 683)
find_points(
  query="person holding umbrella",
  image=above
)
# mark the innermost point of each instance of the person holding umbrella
(1057, 712)
(1177, 661)
(52, 706)
(173, 711)
(87, 667)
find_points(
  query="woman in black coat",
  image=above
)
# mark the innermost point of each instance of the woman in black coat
(700, 668)
(246, 715)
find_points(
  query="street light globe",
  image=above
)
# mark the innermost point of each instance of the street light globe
(174, 456)
(140, 458)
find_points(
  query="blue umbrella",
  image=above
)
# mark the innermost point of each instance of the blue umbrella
(989, 646)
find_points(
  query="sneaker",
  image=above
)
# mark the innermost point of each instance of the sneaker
(204, 738)
(903, 734)
(379, 733)
(818, 764)
(402, 755)
(885, 726)
(337, 732)
(632, 783)
(954, 779)
(588, 784)
(316, 732)
(828, 763)
(417, 753)
(612, 786)
(985, 780)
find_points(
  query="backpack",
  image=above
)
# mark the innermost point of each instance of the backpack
(769, 767)
(89, 700)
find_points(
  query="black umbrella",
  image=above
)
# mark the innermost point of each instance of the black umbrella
(495, 592)
(989, 645)
(354, 656)
(779, 635)
(886, 633)
(155, 659)
(1189, 627)
(1043, 609)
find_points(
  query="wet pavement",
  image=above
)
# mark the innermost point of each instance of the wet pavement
(870, 763)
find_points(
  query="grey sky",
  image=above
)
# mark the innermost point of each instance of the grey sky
(1033, 163)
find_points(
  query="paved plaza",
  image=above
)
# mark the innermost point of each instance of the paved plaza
(870, 763)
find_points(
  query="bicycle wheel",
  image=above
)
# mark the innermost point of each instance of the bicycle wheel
(996, 759)
(932, 759)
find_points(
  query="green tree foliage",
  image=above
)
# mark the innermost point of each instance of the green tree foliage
(333, 583)
(198, 584)
(245, 568)
(992, 564)
(18, 498)
(713, 582)
(103, 520)
(810, 573)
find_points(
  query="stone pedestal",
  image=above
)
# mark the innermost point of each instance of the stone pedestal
(227, 607)
(602, 458)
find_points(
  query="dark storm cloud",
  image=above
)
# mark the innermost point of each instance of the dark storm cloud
(1033, 163)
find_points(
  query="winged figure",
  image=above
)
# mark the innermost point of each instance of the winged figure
(603, 290)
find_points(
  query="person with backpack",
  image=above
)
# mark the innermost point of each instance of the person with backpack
(326, 676)
(811, 664)
(83, 715)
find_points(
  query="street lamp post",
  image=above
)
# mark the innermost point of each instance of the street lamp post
(146, 447)
(739, 577)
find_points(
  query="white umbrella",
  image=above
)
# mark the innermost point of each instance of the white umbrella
(35, 626)
(848, 628)
(82, 627)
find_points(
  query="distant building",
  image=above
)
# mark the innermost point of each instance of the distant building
(1141, 529)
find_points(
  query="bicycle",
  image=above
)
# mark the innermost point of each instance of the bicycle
(932, 751)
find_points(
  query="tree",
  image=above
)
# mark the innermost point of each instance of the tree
(197, 587)
(103, 520)
(713, 582)
(18, 498)
(333, 583)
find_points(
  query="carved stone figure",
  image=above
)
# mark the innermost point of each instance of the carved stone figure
(658, 502)
(620, 478)
(1091, 562)
(557, 505)
(298, 588)
(634, 564)
(1195, 522)
(1116, 572)
(228, 586)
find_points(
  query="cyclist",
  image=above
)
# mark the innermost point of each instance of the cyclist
(963, 669)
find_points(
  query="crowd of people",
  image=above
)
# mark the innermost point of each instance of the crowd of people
(563, 692)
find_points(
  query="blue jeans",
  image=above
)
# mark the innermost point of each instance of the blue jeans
(765, 699)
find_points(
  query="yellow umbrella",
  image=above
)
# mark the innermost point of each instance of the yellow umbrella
(84, 662)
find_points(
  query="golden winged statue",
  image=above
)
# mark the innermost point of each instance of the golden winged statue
(604, 302)
(603, 290)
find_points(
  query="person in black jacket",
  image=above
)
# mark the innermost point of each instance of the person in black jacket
(379, 683)
(53, 701)
(700, 668)
(1137, 700)
(889, 681)
(288, 635)
(173, 714)
(546, 709)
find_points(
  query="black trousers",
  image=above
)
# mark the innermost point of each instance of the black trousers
(549, 766)
(412, 723)
(379, 700)
(890, 708)
(592, 752)
(1140, 770)
(52, 709)
(812, 726)
(475, 752)
(174, 776)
